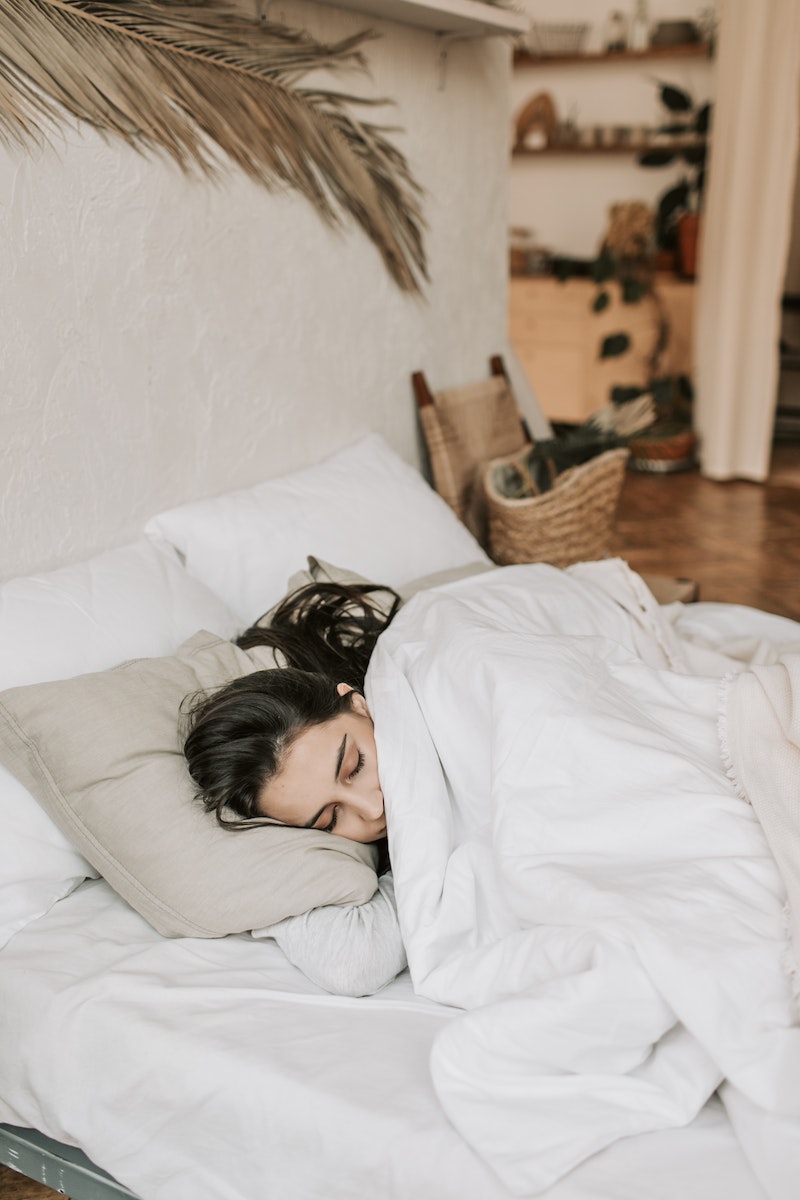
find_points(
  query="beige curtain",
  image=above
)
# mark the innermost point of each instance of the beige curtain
(746, 233)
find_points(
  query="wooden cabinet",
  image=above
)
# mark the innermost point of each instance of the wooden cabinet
(557, 338)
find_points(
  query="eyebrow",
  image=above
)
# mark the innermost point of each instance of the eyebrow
(339, 760)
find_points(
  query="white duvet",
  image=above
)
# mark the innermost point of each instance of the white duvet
(575, 870)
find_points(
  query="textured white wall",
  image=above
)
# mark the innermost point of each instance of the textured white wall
(165, 339)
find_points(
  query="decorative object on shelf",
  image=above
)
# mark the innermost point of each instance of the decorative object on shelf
(567, 131)
(674, 33)
(189, 80)
(639, 36)
(524, 56)
(707, 25)
(680, 207)
(548, 38)
(536, 123)
(615, 37)
(630, 239)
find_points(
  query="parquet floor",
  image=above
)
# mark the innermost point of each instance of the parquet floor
(740, 541)
(17, 1187)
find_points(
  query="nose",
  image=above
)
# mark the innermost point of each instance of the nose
(369, 805)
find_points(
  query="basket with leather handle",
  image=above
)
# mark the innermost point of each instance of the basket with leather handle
(571, 522)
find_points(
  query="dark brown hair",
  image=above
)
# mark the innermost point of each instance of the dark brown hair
(328, 628)
(236, 737)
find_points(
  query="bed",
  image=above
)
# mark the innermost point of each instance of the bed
(151, 1047)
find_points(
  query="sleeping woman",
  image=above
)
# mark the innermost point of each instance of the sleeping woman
(577, 866)
(295, 746)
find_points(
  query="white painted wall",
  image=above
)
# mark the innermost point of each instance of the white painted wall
(565, 200)
(165, 339)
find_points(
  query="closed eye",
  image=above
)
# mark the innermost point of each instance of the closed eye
(329, 828)
(357, 767)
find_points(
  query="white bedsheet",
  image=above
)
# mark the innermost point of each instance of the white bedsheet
(211, 1070)
(573, 867)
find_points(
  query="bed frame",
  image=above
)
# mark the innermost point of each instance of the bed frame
(60, 1167)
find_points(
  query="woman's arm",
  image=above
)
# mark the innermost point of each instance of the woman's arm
(351, 950)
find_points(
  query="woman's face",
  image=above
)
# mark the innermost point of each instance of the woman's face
(329, 778)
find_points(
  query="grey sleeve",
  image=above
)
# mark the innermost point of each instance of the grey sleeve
(351, 950)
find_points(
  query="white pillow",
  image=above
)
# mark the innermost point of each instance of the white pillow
(134, 602)
(363, 506)
(137, 601)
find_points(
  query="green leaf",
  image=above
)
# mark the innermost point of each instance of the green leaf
(632, 291)
(603, 267)
(614, 345)
(695, 155)
(675, 98)
(703, 119)
(623, 395)
(656, 158)
(562, 269)
(685, 387)
(601, 301)
(663, 392)
(674, 200)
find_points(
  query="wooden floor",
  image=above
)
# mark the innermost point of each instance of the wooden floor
(740, 541)
(17, 1187)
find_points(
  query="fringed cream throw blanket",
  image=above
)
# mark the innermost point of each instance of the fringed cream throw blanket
(760, 736)
(576, 873)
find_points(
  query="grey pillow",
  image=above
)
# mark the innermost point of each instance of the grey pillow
(101, 753)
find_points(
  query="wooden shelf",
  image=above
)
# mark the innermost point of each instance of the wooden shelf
(525, 58)
(617, 148)
(464, 18)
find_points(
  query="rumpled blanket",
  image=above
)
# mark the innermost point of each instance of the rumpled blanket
(575, 869)
(760, 737)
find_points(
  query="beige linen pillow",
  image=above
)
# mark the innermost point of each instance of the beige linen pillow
(101, 753)
(319, 571)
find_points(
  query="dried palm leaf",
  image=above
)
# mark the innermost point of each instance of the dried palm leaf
(191, 80)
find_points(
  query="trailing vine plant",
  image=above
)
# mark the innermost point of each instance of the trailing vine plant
(626, 260)
(201, 84)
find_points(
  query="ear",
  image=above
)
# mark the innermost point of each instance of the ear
(357, 701)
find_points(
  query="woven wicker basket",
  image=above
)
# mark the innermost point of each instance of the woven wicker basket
(548, 37)
(573, 522)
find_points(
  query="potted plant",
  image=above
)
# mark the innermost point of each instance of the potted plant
(679, 209)
(668, 442)
(665, 439)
